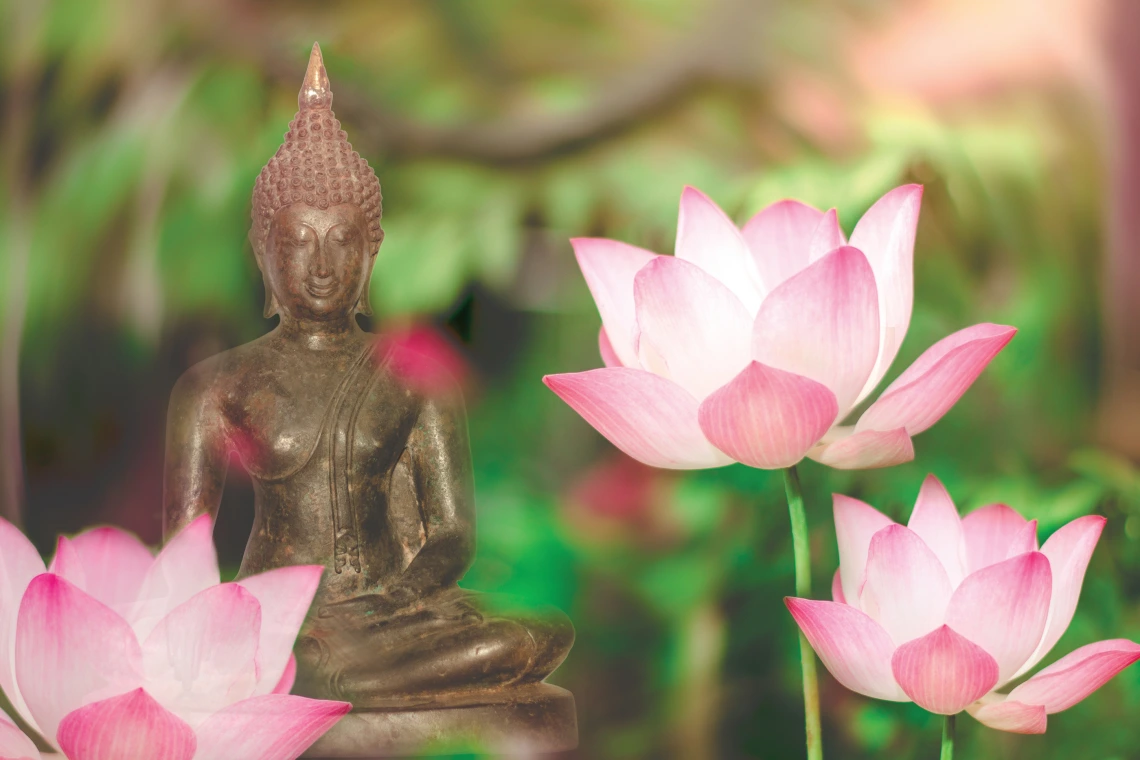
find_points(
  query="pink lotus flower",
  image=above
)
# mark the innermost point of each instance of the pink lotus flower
(945, 611)
(114, 653)
(753, 345)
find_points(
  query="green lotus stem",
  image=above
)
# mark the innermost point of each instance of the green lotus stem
(801, 550)
(948, 738)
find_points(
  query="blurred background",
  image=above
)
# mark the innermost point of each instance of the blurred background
(132, 134)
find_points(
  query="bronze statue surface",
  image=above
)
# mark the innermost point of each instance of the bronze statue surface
(355, 469)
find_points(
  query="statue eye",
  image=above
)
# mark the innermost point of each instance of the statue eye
(343, 235)
(298, 239)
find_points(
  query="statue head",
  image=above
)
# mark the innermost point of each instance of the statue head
(316, 213)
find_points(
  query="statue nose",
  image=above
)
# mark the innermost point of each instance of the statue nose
(320, 266)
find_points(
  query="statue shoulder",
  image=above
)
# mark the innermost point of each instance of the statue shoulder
(212, 381)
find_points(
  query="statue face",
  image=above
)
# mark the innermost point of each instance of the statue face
(317, 261)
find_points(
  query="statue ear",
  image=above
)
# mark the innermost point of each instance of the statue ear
(271, 305)
(364, 303)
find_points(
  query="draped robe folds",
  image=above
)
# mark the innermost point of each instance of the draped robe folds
(354, 499)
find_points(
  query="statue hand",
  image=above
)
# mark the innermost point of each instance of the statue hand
(395, 601)
(399, 603)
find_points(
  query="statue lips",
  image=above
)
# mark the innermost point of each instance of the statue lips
(321, 288)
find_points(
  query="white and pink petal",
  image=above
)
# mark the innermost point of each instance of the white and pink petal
(766, 417)
(708, 238)
(187, 565)
(284, 595)
(19, 564)
(837, 587)
(991, 533)
(269, 727)
(288, 677)
(871, 449)
(1008, 715)
(886, 235)
(944, 672)
(651, 419)
(14, 743)
(606, 350)
(853, 647)
(780, 237)
(1077, 675)
(62, 630)
(935, 520)
(202, 655)
(66, 564)
(1069, 550)
(1003, 608)
(823, 323)
(907, 589)
(131, 725)
(111, 563)
(1024, 541)
(695, 324)
(856, 522)
(922, 394)
(827, 236)
(609, 268)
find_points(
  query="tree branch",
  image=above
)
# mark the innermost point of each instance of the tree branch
(723, 48)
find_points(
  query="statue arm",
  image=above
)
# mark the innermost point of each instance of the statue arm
(441, 466)
(197, 452)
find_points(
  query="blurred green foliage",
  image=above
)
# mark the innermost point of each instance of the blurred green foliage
(147, 122)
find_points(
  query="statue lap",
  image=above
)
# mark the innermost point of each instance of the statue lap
(448, 672)
(448, 647)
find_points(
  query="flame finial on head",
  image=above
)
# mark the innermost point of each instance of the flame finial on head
(315, 91)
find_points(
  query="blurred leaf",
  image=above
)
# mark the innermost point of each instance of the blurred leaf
(73, 222)
(570, 196)
(495, 236)
(465, 226)
(698, 506)
(874, 726)
(1109, 471)
(421, 266)
(204, 261)
(520, 553)
(230, 102)
(675, 585)
(69, 23)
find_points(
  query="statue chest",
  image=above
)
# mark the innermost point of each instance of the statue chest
(351, 419)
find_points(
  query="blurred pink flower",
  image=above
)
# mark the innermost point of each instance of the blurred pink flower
(941, 51)
(424, 358)
(619, 500)
(753, 345)
(115, 653)
(618, 488)
(944, 611)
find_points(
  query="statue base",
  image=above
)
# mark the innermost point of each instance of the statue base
(532, 719)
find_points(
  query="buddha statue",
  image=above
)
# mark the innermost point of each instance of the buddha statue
(355, 469)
